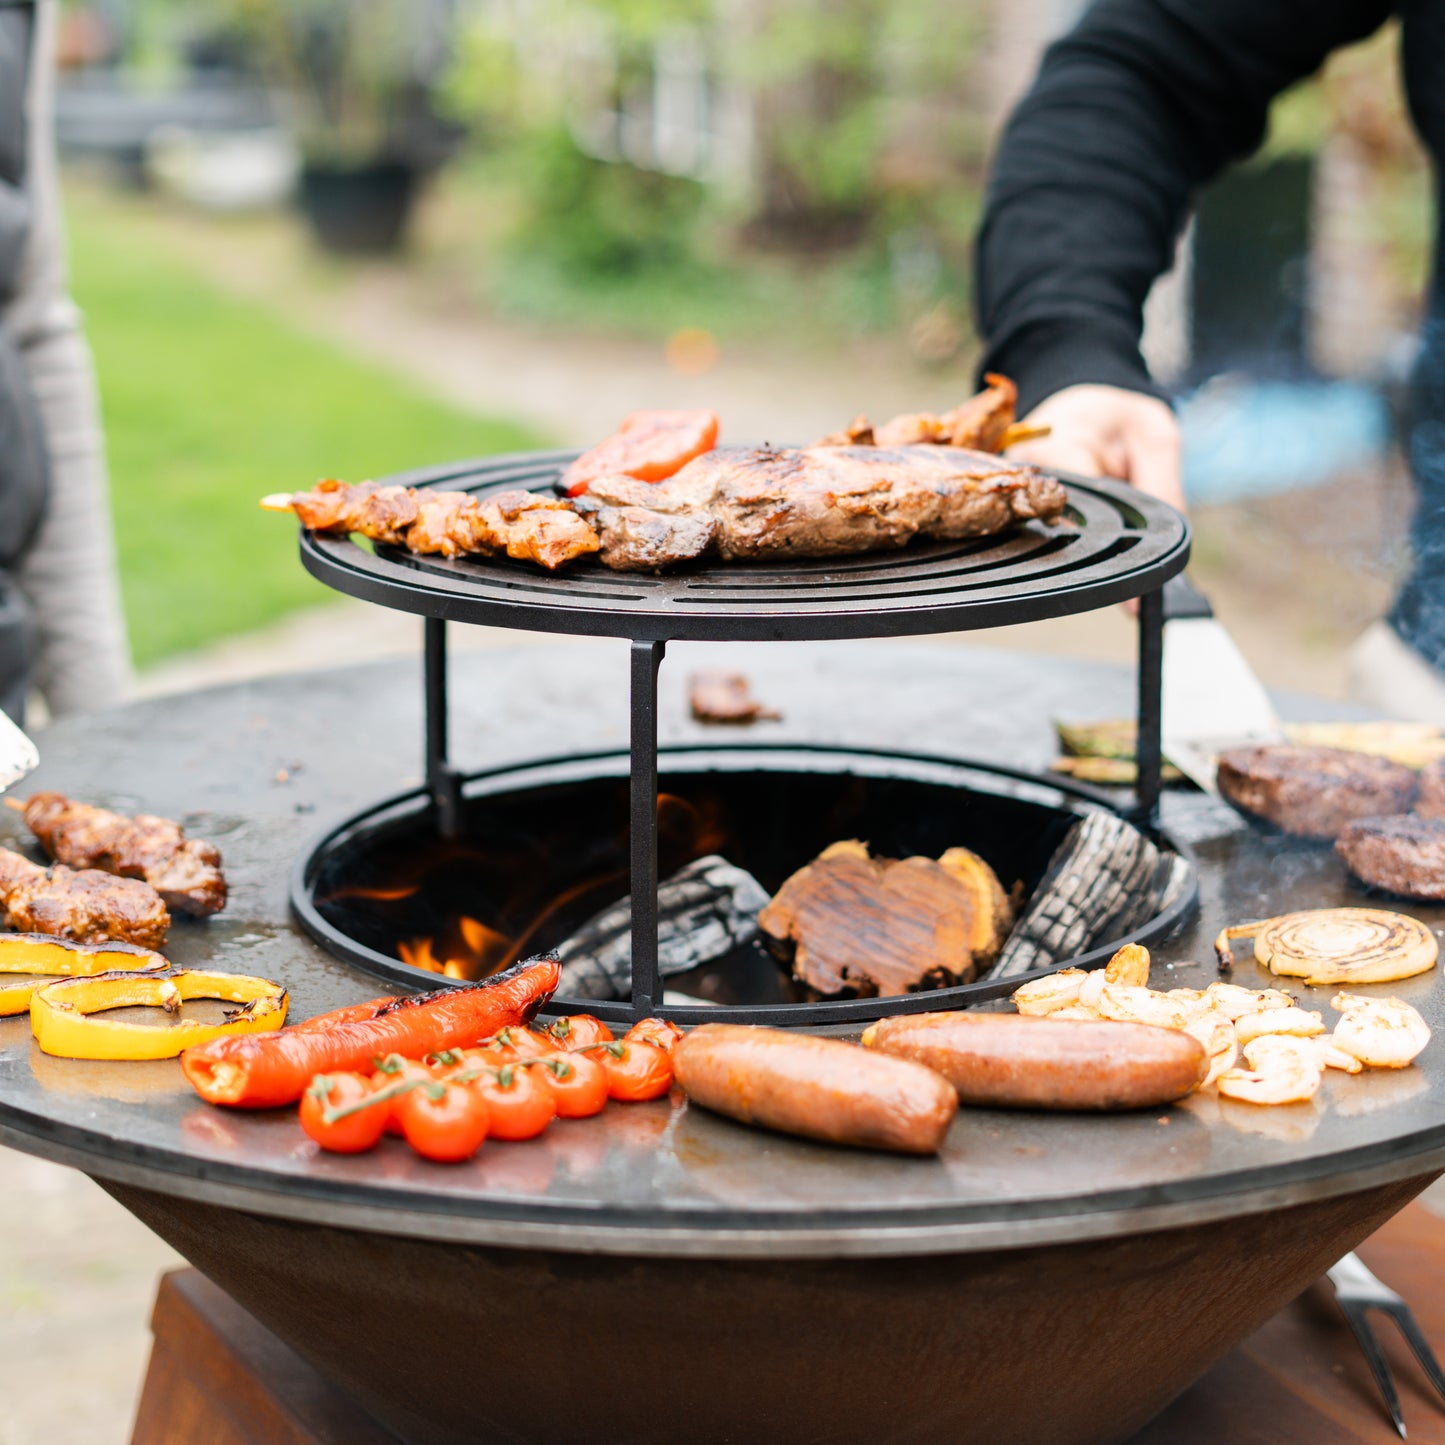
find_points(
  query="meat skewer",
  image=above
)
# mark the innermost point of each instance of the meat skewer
(523, 525)
(983, 423)
(186, 872)
(86, 905)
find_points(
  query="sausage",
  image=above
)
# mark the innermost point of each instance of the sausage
(1019, 1062)
(820, 1088)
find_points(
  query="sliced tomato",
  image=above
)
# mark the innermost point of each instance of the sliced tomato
(444, 1121)
(578, 1083)
(360, 1126)
(649, 445)
(520, 1103)
(635, 1071)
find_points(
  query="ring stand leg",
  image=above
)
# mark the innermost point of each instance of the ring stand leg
(646, 982)
(1148, 749)
(443, 781)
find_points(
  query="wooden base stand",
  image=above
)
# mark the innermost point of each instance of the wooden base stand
(217, 1377)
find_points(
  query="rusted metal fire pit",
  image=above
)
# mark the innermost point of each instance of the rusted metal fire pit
(664, 1272)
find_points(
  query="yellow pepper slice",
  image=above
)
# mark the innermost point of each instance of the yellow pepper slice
(39, 953)
(62, 1012)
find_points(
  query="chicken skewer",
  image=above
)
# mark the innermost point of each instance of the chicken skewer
(523, 525)
(86, 905)
(186, 872)
(983, 423)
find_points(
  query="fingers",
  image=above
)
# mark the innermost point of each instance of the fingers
(1060, 454)
(1155, 463)
(1106, 431)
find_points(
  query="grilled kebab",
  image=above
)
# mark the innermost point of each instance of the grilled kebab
(983, 423)
(186, 872)
(523, 525)
(86, 905)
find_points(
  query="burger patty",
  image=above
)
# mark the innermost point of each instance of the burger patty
(1313, 792)
(1431, 802)
(1404, 855)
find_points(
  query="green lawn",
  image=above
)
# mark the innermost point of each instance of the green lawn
(210, 403)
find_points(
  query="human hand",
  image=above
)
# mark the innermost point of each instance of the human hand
(1106, 431)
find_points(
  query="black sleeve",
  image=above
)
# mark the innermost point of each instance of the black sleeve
(1094, 175)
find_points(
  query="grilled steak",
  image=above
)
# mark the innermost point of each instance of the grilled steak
(1430, 803)
(813, 502)
(1313, 792)
(1404, 855)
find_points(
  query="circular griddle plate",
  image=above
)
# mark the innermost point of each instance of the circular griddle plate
(252, 766)
(1113, 543)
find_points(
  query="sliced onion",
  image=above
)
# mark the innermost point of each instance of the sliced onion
(1337, 945)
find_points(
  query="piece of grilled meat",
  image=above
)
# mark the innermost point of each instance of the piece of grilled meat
(981, 423)
(525, 525)
(1403, 854)
(86, 905)
(1430, 800)
(813, 502)
(186, 872)
(1313, 792)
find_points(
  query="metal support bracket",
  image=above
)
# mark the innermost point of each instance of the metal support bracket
(1148, 746)
(646, 981)
(443, 781)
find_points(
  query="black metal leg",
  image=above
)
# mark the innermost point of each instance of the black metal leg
(1147, 747)
(442, 780)
(646, 983)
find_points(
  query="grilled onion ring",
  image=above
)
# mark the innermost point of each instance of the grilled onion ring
(61, 1012)
(1337, 945)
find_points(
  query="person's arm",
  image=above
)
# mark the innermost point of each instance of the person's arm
(70, 573)
(1134, 110)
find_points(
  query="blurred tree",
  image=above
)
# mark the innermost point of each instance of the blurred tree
(811, 122)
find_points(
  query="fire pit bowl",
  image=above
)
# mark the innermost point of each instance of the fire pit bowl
(543, 846)
(669, 1273)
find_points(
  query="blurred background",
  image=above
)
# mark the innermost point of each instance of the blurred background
(400, 231)
(344, 237)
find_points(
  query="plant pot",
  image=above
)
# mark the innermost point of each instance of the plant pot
(358, 209)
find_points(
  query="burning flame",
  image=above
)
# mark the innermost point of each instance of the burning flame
(478, 952)
(381, 895)
(469, 949)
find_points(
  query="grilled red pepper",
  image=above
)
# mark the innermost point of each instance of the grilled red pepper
(274, 1068)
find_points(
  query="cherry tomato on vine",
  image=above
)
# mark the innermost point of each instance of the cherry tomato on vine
(444, 1121)
(578, 1031)
(529, 1043)
(396, 1070)
(654, 1031)
(635, 1071)
(578, 1083)
(357, 1131)
(520, 1103)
